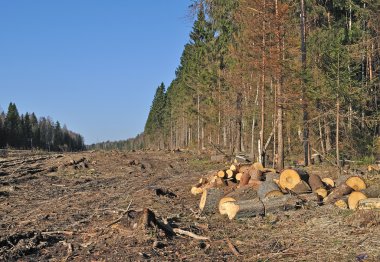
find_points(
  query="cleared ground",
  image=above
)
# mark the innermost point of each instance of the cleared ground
(59, 207)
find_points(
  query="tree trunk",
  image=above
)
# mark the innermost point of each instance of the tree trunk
(280, 135)
(198, 124)
(337, 118)
(303, 84)
(328, 137)
(262, 96)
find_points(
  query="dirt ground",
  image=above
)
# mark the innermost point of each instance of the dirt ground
(63, 207)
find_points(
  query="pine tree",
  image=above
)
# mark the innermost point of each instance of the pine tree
(13, 126)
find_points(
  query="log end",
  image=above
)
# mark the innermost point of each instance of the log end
(321, 192)
(341, 204)
(196, 190)
(328, 182)
(354, 198)
(289, 178)
(222, 209)
(231, 209)
(356, 183)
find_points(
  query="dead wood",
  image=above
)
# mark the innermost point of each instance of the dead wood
(210, 200)
(301, 188)
(122, 215)
(315, 182)
(190, 234)
(372, 191)
(268, 189)
(244, 180)
(337, 193)
(369, 204)
(232, 247)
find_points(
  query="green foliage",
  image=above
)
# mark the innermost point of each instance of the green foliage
(224, 60)
(27, 132)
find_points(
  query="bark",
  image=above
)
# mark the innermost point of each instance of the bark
(268, 189)
(280, 135)
(210, 200)
(337, 193)
(369, 204)
(262, 95)
(304, 105)
(315, 182)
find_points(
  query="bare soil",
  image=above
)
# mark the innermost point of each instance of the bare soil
(63, 207)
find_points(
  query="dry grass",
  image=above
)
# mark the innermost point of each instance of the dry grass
(84, 201)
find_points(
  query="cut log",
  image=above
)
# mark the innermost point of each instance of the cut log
(210, 200)
(270, 176)
(256, 207)
(301, 188)
(255, 184)
(234, 167)
(289, 178)
(355, 182)
(242, 193)
(372, 191)
(244, 180)
(238, 176)
(222, 173)
(321, 192)
(196, 190)
(218, 182)
(283, 203)
(244, 208)
(315, 182)
(256, 174)
(369, 204)
(245, 168)
(341, 203)
(329, 183)
(221, 207)
(230, 173)
(354, 198)
(269, 189)
(337, 193)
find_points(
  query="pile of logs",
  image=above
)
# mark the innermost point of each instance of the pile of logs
(249, 190)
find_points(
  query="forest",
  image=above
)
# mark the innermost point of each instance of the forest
(25, 131)
(276, 79)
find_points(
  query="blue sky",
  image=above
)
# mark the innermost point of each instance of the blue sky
(91, 64)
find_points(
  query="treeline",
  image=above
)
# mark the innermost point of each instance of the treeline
(25, 131)
(275, 78)
(136, 143)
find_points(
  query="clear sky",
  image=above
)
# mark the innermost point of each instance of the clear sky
(91, 64)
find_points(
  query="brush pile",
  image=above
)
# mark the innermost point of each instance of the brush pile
(249, 190)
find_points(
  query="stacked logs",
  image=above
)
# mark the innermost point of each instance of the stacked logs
(249, 190)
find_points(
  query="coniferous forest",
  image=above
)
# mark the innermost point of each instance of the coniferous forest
(275, 79)
(25, 131)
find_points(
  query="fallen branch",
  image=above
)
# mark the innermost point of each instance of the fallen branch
(232, 247)
(69, 250)
(190, 234)
(68, 233)
(122, 215)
